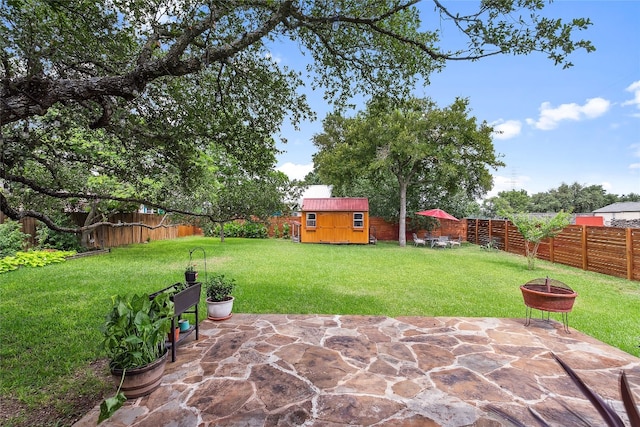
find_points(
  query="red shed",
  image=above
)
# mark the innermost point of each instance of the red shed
(338, 220)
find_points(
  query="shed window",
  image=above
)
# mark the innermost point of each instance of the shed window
(311, 219)
(358, 220)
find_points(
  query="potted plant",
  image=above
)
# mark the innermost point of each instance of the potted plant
(219, 299)
(190, 273)
(134, 340)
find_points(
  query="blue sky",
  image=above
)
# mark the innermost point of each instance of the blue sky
(580, 124)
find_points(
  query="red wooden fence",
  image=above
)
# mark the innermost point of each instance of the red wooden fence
(110, 237)
(609, 250)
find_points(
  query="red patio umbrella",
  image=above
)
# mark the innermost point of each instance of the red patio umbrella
(437, 213)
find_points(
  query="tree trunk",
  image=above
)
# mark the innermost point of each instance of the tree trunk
(402, 233)
(222, 231)
(531, 254)
(86, 241)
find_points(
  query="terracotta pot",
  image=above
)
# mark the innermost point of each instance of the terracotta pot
(141, 381)
(219, 310)
(555, 299)
(176, 335)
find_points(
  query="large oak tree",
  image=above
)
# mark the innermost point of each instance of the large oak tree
(136, 91)
(437, 152)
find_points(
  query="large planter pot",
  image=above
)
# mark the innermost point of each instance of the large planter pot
(554, 298)
(141, 381)
(219, 310)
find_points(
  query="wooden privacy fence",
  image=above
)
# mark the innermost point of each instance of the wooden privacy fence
(608, 250)
(111, 237)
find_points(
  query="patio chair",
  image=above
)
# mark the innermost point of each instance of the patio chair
(442, 242)
(455, 242)
(491, 244)
(417, 241)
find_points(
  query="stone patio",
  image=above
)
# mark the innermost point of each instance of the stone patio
(308, 370)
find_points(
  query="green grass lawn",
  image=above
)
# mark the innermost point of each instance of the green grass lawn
(50, 317)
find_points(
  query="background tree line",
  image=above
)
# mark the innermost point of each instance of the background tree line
(574, 198)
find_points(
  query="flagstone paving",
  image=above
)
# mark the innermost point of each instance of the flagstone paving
(312, 370)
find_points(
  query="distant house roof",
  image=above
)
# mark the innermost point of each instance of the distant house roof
(620, 207)
(336, 204)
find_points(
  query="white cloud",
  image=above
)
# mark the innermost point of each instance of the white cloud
(506, 129)
(550, 117)
(634, 166)
(294, 171)
(595, 107)
(635, 89)
(606, 185)
(635, 150)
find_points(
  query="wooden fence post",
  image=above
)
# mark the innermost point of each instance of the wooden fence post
(629, 254)
(506, 235)
(477, 229)
(585, 259)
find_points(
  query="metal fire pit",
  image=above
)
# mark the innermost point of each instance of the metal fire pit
(548, 295)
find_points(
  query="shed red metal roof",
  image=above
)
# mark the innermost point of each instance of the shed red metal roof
(336, 204)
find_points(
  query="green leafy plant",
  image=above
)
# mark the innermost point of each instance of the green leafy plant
(286, 231)
(135, 328)
(177, 288)
(191, 268)
(534, 229)
(248, 229)
(33, 259)
(219, 287)
(12, 239)
(134, 335)
(51, 239)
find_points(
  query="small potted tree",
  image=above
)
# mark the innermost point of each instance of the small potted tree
(134, 340)
(219, 299)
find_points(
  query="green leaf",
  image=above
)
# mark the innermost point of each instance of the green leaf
(109, 406)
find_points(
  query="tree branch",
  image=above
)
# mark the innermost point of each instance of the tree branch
(18, 215)
(26, 97)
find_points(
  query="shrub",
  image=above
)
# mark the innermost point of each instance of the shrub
(12, 239)
(286, 231)
(51, 239)
(248, 229)
(255, 230)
